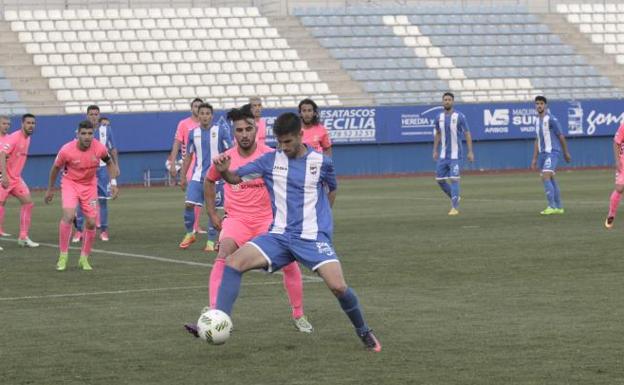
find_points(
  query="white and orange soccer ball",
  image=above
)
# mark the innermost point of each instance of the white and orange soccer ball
(214, 326)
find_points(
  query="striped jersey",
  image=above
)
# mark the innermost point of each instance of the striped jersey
(104, 134)
(206, 144)
(547, 130)
(297, 188)
(449, 127)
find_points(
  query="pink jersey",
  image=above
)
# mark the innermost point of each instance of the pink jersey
(619, 138)
(261, 133)
(182, 132)
(80, 166)
(15, 146)
(317, 137)
(248, 200)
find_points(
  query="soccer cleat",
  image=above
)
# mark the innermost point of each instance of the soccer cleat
(3, 234)
(370, 341)
(187, 240)
(609, 222)
(192, 328)
(27, 242)
(77, 237)
(1, 248)
(61, 264)
(453, 212)
(104, 236)
(83, 263)
(210, 246)
(559, 211)
(303, 325)
(548, 211)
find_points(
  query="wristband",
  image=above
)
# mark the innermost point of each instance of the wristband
(113, 182)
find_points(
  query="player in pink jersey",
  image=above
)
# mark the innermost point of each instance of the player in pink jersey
(180, 144)
(255, 103)
(79, 160)
(248, 214)
(5, 124)
(616, 195)
(314, 133)
(13, 155)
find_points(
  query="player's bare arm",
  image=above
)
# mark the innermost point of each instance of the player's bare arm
(436, 143)
(534, 159)
(49, 194)
(173, 155)
(113, 171)
(185, 166)
(470, 154)
(564, 146)
(3, 169)
(210, 196)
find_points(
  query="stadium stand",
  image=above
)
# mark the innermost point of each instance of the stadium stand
(157, 59)
(406, 54)
(10, 103)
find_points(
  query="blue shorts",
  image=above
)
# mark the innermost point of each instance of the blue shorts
(547, 162)
(195, 194)
(282, 249)
(448, 168)
(103, 183)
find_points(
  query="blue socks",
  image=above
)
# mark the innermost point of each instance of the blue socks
(189, 218)
(557, 194)
(103, 214)
(228, 291)
(445, 187)
(79, 221)
(455, 193)
(351, 306)
(549, 189)
(212, 232)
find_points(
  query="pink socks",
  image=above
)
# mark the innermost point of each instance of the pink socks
(25, 216)
(216, 274)
(65, 230)
(294, 288)
(87, 241)
(614, 202)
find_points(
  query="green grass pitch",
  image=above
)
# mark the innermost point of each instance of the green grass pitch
(497, 295)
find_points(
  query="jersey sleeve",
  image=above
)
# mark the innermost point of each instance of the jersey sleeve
(256, 169)
(436, 124)
(7, 146)
(213, 175)
(226, 141)
(463, 123)
(328, 174)
(556, 127)
(60, 160)
(619, 135)
(110, 142)
(190, 147)
(325, 140)
(179, 134)
(102, 152)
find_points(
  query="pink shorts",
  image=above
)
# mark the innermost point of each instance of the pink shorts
(17, 188)
(74, 193)
(619, 176)
(242, 231)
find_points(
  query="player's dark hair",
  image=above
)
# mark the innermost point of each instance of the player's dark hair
(205, 105)
(197, 100)
(541, 98)
(93, 107)
(26, 116)
(308, 101)
(448, 94)
(103, 118)
(287, 123)
(85, 124)
(236, 114)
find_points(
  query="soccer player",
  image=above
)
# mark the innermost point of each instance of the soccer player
(180, 145)
(13, 155)
(249, 214)
(549, 142)
(255, 103)
(79, 160)
(204, 142)
(314, 133)
(616, 195)
(447, 129)
(5, 124)
(104, 134)
(302, 185)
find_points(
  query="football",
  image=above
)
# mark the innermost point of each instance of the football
(214, 326)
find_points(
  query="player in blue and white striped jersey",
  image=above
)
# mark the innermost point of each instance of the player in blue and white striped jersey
(549, 143)
(302, 186)
(204, 142)
(448, 127)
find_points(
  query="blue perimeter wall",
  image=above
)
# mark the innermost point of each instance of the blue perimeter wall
(367, 140)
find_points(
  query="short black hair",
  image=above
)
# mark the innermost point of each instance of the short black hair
(287, 123)
(315, 119)
(236, 114)
(102, 118)
(205, 105)
(541, 98)
(448, 94)
(93, 107)
(26, 116)
(85, 124)
(197, 100)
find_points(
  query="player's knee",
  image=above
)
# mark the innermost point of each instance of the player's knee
(339, 289)
(189, 206)
(90, 223)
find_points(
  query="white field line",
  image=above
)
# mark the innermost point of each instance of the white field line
(306, 278)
